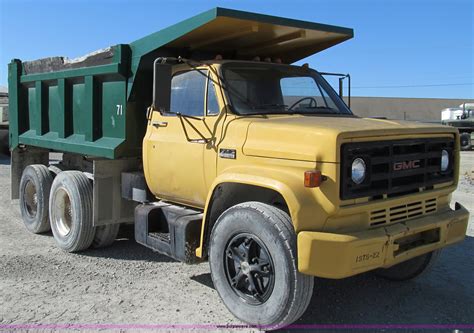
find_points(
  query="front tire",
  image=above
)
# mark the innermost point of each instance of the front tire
(70, 210)
(35, 185)
(409, 269)
(254, 267)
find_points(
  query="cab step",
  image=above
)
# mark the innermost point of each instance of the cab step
(169, 229)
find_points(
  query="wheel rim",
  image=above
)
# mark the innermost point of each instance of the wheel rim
(30, 198)
(249, 268)
(61, 216)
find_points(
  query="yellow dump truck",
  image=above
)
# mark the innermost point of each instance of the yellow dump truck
(217, 148)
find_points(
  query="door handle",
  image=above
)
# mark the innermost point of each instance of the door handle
(159, 123)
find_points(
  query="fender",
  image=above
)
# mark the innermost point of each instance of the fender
(289, 183)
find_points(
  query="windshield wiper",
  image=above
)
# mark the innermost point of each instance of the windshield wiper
(297, 111)
(326, 108)
(262, 113)
(263, 108)
(269, 106)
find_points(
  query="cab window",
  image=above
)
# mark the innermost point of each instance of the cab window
(187, 93)
(212, 104)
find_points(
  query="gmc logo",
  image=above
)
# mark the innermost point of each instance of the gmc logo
(406, 165)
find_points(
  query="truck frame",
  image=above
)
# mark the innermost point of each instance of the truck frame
(216, 148)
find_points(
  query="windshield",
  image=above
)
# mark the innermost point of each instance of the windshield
(280, 89)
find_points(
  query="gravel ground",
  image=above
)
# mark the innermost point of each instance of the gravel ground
(130, 284)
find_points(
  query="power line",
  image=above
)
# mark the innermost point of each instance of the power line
(415, 86)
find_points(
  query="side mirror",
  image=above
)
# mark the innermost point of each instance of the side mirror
(161, 85)
(341, 88)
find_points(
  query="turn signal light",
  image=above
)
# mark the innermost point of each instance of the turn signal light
(313, 178)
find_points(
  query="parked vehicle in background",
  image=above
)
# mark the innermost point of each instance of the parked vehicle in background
(235, 156)
(463, 119)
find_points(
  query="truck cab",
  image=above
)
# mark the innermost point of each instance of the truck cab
(252, 126)
(211, 108)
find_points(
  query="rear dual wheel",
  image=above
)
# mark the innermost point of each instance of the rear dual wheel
(105, 235)
(70, 212)
(35, 186)
(63, 205)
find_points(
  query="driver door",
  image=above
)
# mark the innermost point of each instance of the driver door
(178, 156)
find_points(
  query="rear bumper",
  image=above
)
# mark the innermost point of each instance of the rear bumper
(342, 255)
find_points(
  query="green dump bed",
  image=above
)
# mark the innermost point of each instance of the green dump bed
(96, 105)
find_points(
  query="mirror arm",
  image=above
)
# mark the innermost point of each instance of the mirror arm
(341, 79)
(203, 138)
(179, 114)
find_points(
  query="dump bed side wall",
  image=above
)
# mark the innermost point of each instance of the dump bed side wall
(80, 110)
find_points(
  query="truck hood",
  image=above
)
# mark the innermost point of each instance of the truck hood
(318, 138)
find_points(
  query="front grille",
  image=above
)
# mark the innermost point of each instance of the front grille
(395, 167)
(403, 212)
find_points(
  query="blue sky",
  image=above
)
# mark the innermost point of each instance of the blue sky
(404, 48)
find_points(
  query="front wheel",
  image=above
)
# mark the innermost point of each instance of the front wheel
(254, 267)
(409, 269)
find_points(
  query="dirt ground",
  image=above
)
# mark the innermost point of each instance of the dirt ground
(128, 284)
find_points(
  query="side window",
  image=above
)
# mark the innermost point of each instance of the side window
(187, 93)
(212, 104)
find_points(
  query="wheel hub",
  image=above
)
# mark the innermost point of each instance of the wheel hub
(30, 198)
(245, 267)
(249, 268)
(62, 212)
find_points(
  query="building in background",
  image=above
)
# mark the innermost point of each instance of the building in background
(421, 109)
(3, 104)
(3, 120)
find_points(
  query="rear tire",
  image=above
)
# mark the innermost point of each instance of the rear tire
(70, 210)
(35, 186)
(105, 235)
(254, 266)
(465, 139)
(409, 269)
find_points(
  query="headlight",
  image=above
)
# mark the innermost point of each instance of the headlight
(358, 170)
(444, 160)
